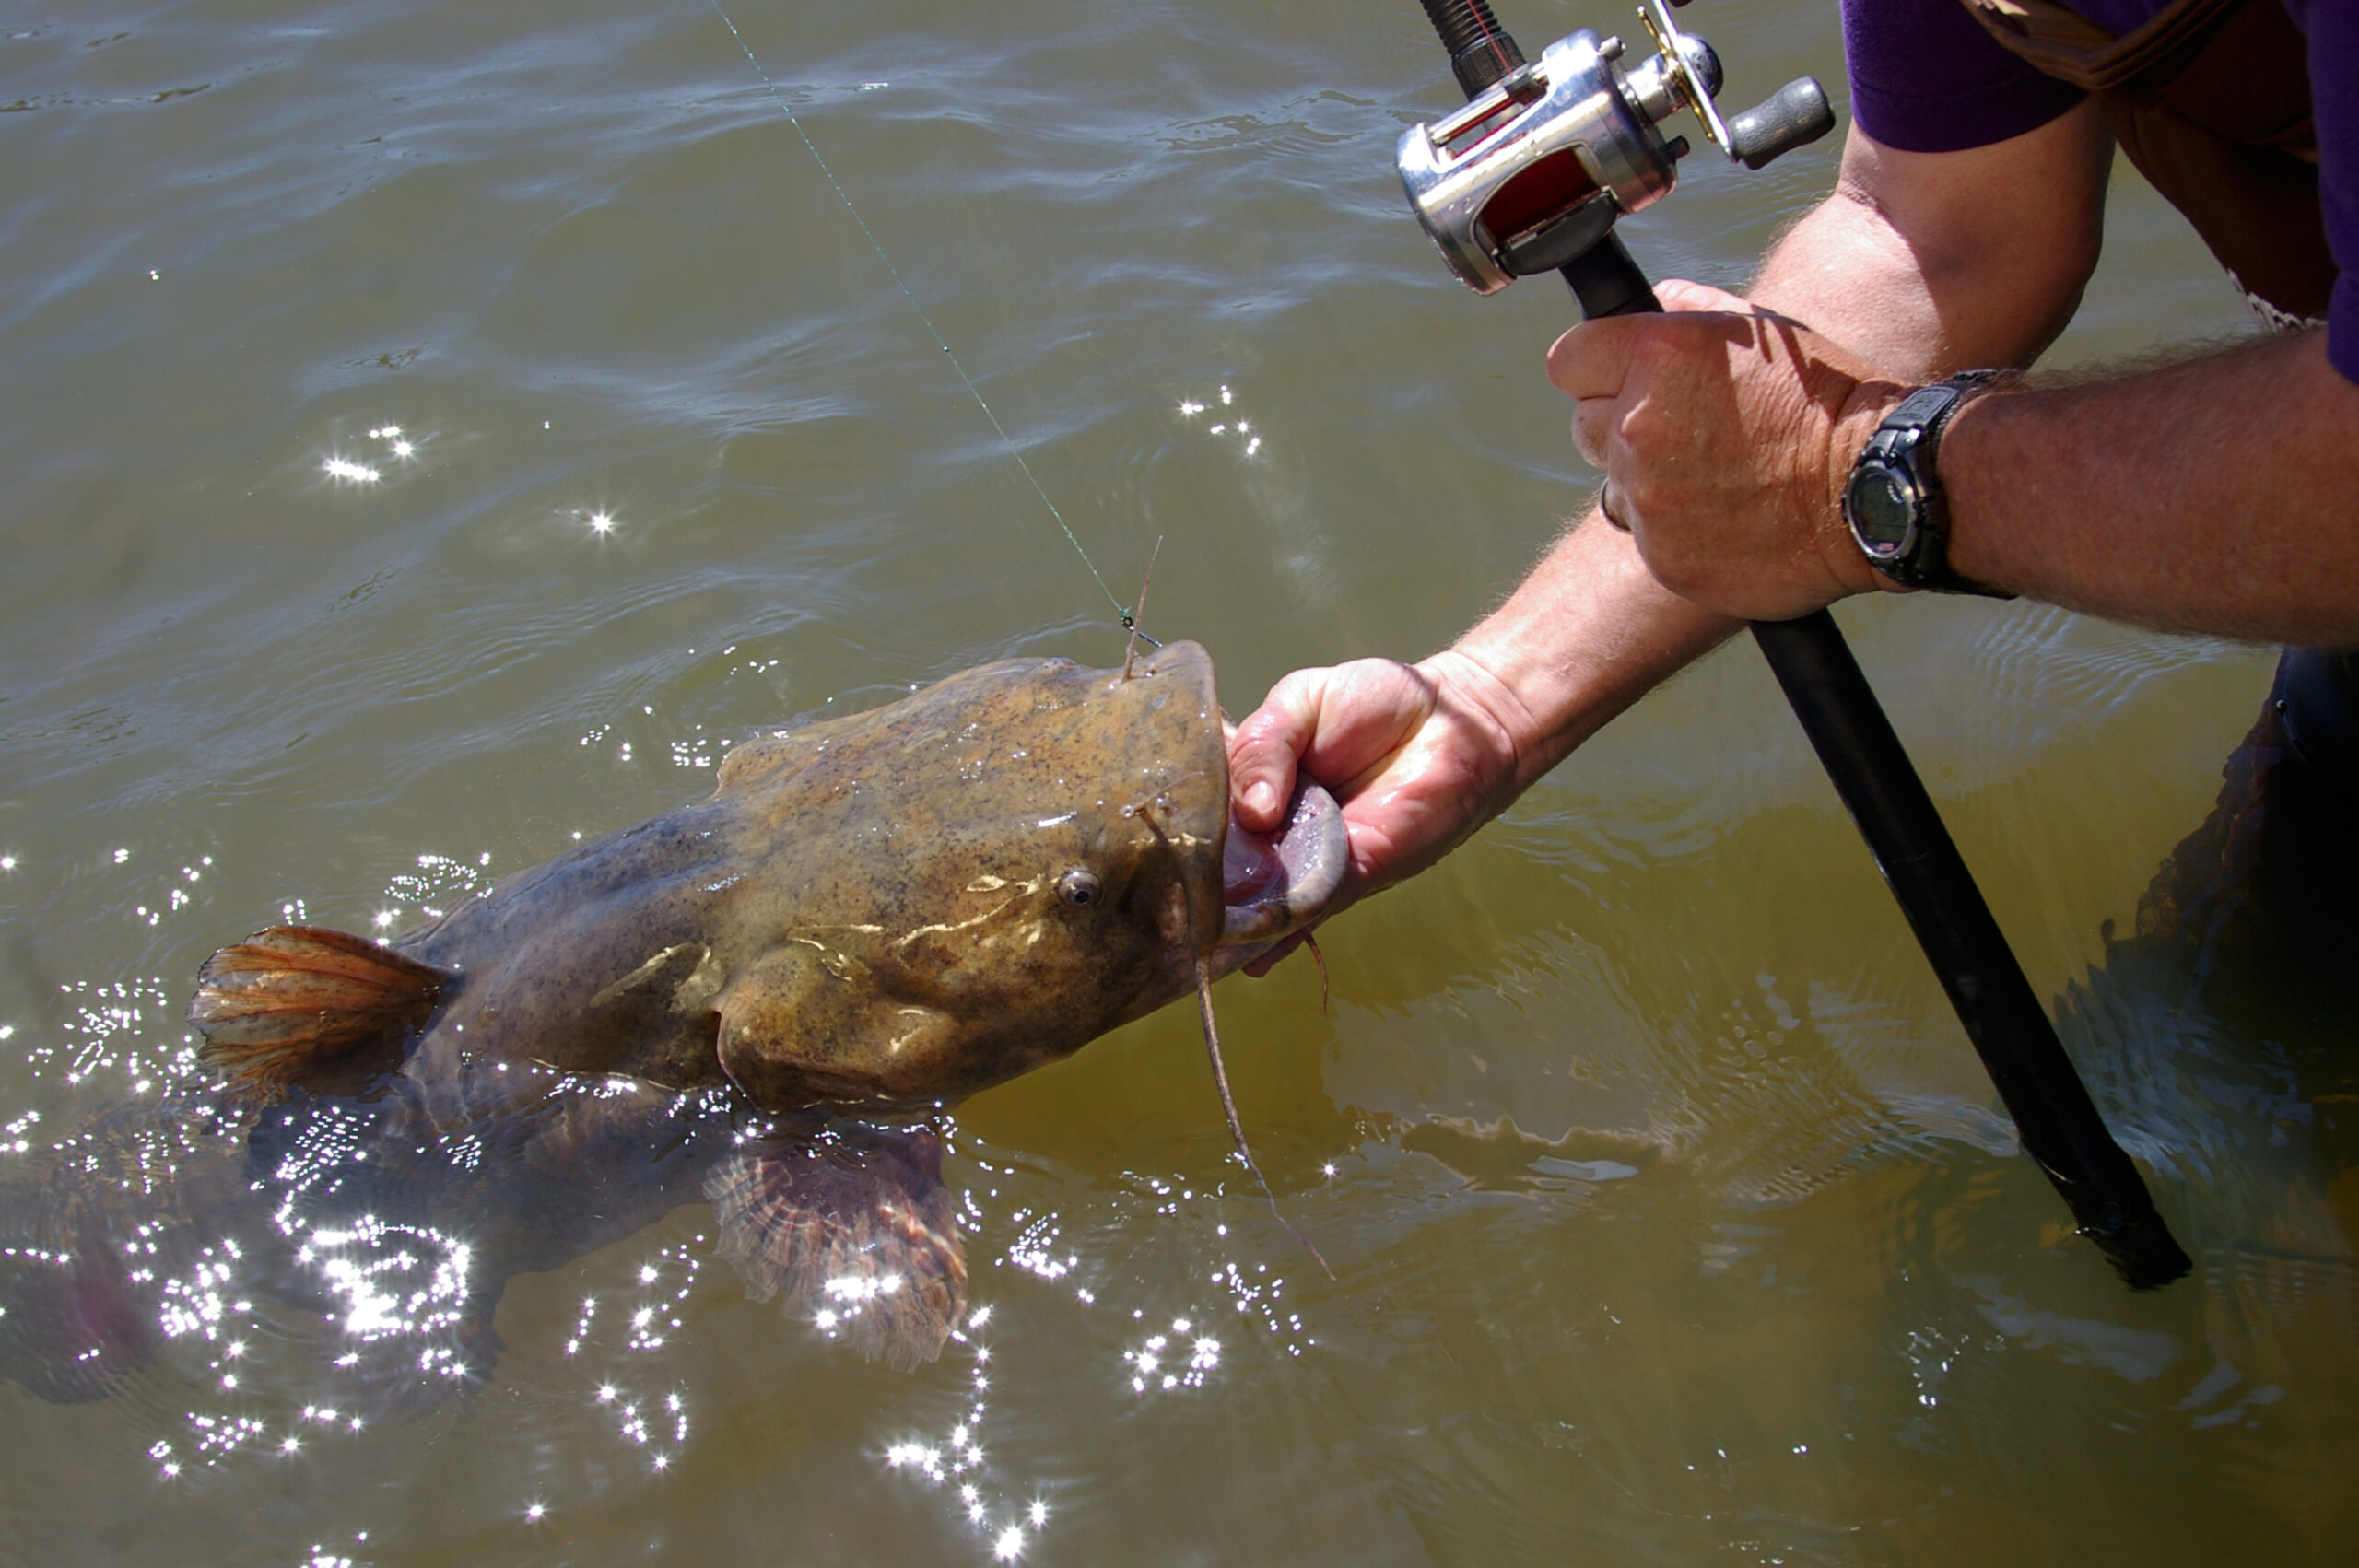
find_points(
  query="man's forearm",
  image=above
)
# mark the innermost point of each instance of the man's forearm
(2219, 495)
(1587, 633)
(1926, 263)
(2213, 495)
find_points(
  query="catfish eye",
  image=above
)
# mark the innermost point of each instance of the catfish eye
(1079, 887)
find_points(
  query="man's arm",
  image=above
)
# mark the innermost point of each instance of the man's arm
(2219, 495)
(1929, 262)
(1422, 754)
(1899, 261)
(2216, 495)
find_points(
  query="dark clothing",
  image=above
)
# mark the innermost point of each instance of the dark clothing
(2318, 696)
(2256, 902)
(1926, 77)
(2211, 100)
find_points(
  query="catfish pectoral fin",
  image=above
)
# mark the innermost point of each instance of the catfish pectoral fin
(856, 1227)
(291, 997)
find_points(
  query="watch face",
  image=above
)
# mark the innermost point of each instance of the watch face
(1881, 509)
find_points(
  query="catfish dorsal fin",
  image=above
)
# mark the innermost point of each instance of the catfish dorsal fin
(292, 996)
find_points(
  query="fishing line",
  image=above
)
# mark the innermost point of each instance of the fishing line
(1129, 617)
(1130, 622)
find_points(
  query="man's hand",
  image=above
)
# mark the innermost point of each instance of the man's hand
(1928, 263)
(1419, 756)
(1726, 434)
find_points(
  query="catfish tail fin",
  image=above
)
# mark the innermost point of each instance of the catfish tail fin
(293, 996)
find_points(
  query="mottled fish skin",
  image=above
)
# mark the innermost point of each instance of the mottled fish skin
(874, 915)
(893, 909)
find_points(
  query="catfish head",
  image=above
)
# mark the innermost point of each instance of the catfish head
(987, 875)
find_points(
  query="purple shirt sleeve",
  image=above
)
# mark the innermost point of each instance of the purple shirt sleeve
(2332, 28)
(1925, 77)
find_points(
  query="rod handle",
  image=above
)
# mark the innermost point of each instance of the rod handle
(1607, 282)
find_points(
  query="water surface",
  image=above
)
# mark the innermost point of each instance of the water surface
(434, 428)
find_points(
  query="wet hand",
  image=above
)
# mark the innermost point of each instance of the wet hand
(1418, 755)
(1725, 434)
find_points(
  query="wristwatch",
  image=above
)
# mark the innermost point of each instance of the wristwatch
(1893, 500)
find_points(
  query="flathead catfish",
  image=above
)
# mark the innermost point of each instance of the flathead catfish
(755, 998)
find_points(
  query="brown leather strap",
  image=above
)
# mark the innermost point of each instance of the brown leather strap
(2066, 45)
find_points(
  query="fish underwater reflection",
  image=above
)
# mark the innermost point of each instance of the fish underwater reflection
(767, 999)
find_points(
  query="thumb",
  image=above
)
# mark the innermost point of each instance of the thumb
(1679, 294)
(1593, 358)
(1266, 751)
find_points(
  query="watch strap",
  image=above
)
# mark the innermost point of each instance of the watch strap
(1918, 422)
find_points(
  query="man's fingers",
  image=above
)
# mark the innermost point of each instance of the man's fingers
(1595, 358)
(1342, 726)
(1593, 428)
(1591, 359)
(1591, 364)
(1263, 965)
(1266, 750)
(1678, 294)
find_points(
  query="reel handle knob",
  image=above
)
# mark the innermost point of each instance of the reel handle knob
(1795, 115)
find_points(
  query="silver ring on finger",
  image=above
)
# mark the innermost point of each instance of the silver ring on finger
(1606, 509)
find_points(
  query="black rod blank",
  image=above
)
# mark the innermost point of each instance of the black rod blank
(2054, 1116)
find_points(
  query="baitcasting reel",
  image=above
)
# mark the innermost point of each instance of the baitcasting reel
(1534, 171)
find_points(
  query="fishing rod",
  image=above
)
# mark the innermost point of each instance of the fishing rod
(1530, 177)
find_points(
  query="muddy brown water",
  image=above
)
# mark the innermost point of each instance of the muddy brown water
(1672, 1218)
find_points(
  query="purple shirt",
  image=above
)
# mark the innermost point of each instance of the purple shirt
(1925, 77)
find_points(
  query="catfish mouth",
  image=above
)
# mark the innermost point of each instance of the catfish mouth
(1273, 885)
